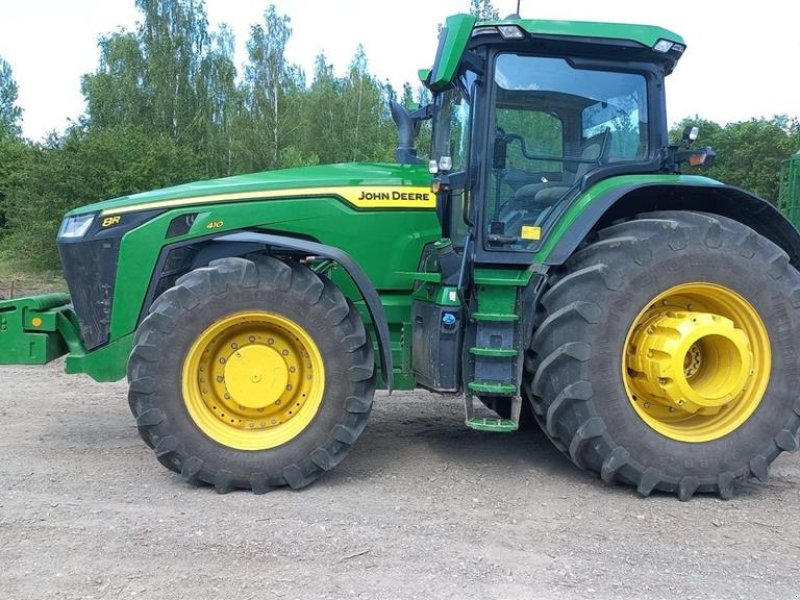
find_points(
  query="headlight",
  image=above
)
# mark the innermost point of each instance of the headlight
(511, 32)
(76, 226)
(663, 45)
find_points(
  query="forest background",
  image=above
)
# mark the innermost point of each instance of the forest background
(167, 104)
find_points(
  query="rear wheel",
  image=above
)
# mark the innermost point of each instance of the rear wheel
(251, 374)
(667, 355)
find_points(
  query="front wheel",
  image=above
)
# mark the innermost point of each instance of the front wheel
(251, 373)
(667, 358)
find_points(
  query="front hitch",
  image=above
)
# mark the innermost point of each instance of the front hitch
(37, 329)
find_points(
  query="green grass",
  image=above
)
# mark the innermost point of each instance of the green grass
(19, 279)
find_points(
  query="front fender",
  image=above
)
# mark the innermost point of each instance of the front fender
(362, 282)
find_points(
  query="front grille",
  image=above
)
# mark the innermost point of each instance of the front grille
(90, 268)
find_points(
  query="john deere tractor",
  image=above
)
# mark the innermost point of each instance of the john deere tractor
(548, 262)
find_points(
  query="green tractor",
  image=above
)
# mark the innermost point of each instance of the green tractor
(549, 263)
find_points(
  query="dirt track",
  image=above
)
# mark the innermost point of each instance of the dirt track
(422, 508)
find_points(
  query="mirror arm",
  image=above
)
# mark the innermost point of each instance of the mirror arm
(474, 62)
(423, 113)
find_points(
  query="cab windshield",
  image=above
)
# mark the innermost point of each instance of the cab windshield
(554, 123)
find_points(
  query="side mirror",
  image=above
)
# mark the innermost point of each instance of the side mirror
(680, 154)
(704, 157)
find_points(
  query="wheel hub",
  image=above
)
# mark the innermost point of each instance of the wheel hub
(696, 362)
(255, 376)
(691, 361)
(253, 380)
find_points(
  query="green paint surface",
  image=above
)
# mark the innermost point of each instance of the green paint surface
(458, 29)
(789, 194)
(491, 425)
(37, 329)
(385, 243)
(435, 293)
(326, 176)
(109, 363)
(646, 35)
(555, 232)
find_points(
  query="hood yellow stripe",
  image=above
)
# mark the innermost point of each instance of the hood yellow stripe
(361, 197)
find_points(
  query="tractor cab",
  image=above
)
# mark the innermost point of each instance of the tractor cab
(527, 117)
(527, 114)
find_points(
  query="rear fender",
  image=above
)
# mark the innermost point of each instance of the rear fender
(626, 201)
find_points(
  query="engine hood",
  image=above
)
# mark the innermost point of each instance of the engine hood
(271, 183)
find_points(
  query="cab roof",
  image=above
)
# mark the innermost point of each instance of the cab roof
(646, 35)
(461, 31)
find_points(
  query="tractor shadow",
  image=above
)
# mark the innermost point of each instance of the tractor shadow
(424, 434)
(422, 437)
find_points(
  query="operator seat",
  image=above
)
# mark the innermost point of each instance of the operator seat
(542, 195)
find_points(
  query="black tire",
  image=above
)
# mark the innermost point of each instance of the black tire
(227, 286)
(573, 368)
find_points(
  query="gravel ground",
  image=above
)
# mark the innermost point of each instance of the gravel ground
(422, 508)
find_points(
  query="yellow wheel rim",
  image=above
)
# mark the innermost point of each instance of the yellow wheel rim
(696, 362)
(253, 380)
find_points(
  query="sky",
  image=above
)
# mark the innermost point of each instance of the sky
(741, 62)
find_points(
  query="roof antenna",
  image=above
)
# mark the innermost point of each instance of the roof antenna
(516, 15)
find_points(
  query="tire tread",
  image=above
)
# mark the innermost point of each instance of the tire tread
(562, 399)
(268, 273)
